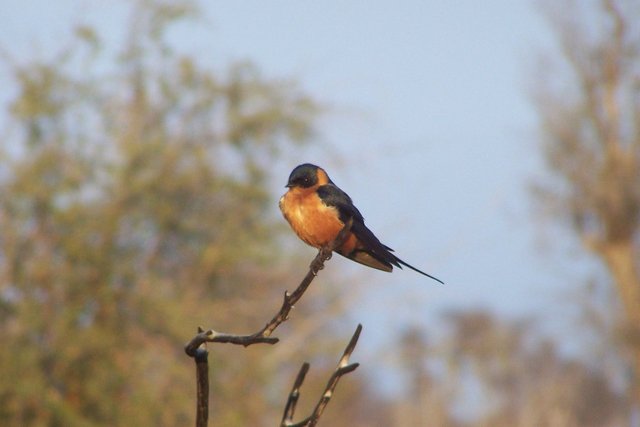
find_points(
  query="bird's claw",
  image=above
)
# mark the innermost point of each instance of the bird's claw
(316, 265)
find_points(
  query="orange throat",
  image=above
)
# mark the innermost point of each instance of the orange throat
(314, 222)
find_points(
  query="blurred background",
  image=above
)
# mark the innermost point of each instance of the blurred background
(144, 146)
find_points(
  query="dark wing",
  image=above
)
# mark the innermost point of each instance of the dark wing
(369, 245)
(333, 196)
(371, 251)
(363, 252)
(381, 252)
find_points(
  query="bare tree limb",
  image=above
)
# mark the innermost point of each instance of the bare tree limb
(202, 378)
(343, 368)
(263, 336)
(196, 348)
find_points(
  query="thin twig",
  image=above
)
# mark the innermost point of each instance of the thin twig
(292, 401)
(263, 336)
(343, 368)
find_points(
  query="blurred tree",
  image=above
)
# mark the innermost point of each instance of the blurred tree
(483, 371)
(589, 116)
(424, 402)
(524, 380)
(133, 207)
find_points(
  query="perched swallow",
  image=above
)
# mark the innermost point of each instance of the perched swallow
(317, 210)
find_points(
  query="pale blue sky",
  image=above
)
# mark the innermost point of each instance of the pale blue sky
(429, 130)
(434, 129)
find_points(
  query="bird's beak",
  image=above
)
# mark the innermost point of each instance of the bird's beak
(288, 186)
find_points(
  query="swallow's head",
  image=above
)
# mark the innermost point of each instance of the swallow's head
(307, 176)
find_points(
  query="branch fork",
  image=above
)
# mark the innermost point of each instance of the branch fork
(197, 347)
(343, 368)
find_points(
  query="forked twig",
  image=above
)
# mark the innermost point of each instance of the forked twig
(196, 348)
(294, 395)
(343, 368)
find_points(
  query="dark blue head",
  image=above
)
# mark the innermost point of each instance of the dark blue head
(307, 175)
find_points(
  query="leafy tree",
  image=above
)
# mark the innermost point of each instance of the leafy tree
(133, 207)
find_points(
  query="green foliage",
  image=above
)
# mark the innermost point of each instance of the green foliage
(133, 204)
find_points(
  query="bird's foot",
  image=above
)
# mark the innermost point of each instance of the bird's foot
(318, 263)
(326, 253)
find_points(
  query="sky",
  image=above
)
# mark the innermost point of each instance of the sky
(429, 127)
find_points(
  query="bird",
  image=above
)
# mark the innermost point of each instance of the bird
(317, 210)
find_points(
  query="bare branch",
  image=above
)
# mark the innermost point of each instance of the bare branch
(343, 368)
(202, 379)
(263, 336)
(290, 408)
(196, 348)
